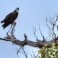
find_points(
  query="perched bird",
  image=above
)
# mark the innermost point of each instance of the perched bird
(10, 18)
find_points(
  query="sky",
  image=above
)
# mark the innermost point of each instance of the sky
(32, 13)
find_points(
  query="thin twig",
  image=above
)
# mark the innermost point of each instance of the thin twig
(24, 52)
(19, 49)
(47, 24)
(42, 34)
(34, 30)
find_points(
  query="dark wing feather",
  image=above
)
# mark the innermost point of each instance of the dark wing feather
(5, 25)
(6, 18)
(9, 19)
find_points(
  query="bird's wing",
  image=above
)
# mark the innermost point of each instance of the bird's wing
(12, 17)
(9, 17)
(6, 18)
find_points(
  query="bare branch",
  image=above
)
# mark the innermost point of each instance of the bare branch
(19, 49)
(47, 24)
(38, 44)
(53, 24)
(34, 55)
(34, 30)
(42, 34)
(24, 52)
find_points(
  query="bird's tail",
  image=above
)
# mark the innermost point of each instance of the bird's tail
(5, 25)
(2, 21)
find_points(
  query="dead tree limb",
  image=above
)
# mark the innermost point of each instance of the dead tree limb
(38, 44)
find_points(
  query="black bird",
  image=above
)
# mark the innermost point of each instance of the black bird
(10, 18)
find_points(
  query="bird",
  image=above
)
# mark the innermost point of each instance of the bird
(10, 18)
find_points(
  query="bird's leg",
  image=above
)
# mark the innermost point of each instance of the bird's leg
(9, 29)
(13, 28)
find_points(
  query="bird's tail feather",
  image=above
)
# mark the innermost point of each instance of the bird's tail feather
(5, 25)
(2, 21)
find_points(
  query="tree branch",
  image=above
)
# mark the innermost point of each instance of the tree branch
(38, 44)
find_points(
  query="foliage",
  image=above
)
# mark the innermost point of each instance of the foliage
(46, 52)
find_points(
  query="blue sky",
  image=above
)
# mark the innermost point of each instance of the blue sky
(31, 14)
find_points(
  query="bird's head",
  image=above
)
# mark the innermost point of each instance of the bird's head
(17, 9)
